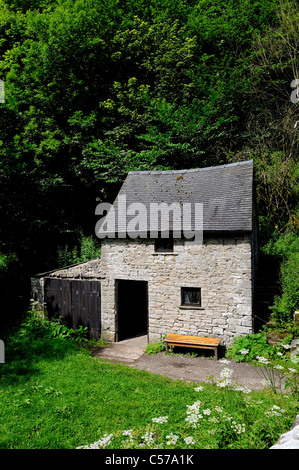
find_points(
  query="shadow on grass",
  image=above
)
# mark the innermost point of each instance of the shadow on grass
(23, 355)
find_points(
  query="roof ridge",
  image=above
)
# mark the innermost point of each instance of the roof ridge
(195, 170)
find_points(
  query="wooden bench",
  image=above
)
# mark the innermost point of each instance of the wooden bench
(172, 340)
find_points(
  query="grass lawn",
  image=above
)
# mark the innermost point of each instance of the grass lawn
(55, 395)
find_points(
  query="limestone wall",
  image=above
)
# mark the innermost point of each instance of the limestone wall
(221, 267)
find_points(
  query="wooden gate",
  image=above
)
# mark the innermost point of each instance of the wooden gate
(77, 301)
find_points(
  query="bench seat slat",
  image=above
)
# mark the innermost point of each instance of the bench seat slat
(192, 341)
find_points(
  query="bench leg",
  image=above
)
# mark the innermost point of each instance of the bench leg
(216, 353)
(166, 347)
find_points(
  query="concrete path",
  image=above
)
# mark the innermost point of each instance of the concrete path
(128, 350)
(191, 369)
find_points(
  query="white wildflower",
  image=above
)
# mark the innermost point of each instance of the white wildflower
(224, 383)
(266, 382)
(128, 442)
(199, 388)
(148, 438)
(105, 441)
(193, 413)
(206, 412)
(275, 411)
(286, 346)
(213, 419)
(263, 360)
(226, 373)
(244, 351)
(161, 419)
(101, 443)
(275, 407)
(219, 409)
(239, 428)
(278, 367)
(224, 361)
(292, 370)
(194, 407)
(172, 439)
(189, 440)
(193, 419)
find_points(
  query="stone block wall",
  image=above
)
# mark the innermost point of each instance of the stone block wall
(221, 267)
(37, 290)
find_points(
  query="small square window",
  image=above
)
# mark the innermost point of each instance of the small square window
(164, 245)
(191, 296)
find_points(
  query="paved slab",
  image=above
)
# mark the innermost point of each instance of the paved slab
(199, 369)
(190, 369)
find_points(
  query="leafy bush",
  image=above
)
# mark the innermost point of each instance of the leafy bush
(246, 348)
(6, 260)
(285, 305)
(155, 348)
(87, 249)
(38, 336)
(285, 247)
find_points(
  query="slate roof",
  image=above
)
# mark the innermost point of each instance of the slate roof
(225, 191)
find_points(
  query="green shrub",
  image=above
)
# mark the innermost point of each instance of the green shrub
(285, 247)
(246, 348)
(86, 249)
(285, 305)
(7, 260)
(155, 348)
(38, 336)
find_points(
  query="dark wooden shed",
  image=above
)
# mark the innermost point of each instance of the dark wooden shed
(74, 293)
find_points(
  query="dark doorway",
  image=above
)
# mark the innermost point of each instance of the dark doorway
(132, 309)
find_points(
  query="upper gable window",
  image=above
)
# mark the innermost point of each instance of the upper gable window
(164, 245)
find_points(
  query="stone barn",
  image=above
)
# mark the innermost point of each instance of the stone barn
(155, 279)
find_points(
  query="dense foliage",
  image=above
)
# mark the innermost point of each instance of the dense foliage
(94, 89)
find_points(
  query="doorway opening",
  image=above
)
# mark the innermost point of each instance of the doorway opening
(131, 309)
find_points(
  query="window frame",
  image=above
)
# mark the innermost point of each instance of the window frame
(161, 240)
(190, 304)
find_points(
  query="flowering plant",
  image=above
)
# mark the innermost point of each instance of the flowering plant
(246, 348)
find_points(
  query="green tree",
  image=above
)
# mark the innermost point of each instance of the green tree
(96, 89)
